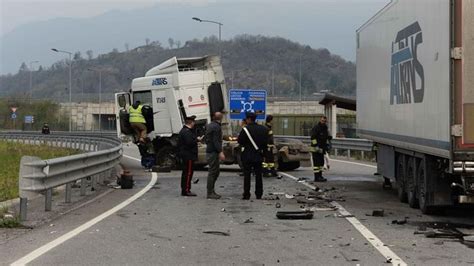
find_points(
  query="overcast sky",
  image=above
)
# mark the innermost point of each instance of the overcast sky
(17, 12)
(28, 28)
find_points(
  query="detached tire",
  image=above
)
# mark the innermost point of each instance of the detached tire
(288, 166)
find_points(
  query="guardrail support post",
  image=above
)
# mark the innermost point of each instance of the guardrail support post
(23, 208)
(68, 192)
(335, 152)
(94, 182)
(362, 154)
(48, 199)
(83, 187)
(348, 153)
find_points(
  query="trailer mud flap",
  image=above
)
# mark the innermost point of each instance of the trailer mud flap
(468, 116)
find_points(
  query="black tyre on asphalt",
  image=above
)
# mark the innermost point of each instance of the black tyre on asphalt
(424, 193)
(401, 179)
(288, 166)
(411, 186)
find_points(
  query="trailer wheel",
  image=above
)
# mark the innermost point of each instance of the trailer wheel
(401, 178)
(424, 194)
(411, 184)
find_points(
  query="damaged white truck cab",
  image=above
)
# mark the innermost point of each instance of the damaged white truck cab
(181, 87)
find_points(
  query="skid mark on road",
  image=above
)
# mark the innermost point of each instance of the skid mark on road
(60, 240)
(389, 255)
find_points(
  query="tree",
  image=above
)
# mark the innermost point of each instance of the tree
(147, 41)
(40, 68)
(90, 54)
(178, 44)
(77, 56)
(115, 51)
(171, 42)
(23, 67)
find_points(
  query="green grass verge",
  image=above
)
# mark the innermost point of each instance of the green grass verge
(10, 156)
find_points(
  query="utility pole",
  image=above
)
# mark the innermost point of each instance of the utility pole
(300, 80)
(70, 84)
(220, 31)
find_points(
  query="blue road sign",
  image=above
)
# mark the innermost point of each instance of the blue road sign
(243, 101)
(29, 119)
(13, 116)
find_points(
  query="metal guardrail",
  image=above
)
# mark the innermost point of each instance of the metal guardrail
(348, 144)
(101, 155)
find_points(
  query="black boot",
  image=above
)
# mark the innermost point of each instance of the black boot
(318, 177)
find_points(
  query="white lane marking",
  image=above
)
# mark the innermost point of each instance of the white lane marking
(58, 241)
(349, 162)
(366, 233)
(131, 158)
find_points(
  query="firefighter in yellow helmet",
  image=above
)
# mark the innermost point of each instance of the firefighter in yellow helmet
(137, 121)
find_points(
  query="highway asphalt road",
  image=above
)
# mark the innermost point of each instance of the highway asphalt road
(153, 225)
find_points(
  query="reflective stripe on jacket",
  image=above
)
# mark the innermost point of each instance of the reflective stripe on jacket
(136, 115)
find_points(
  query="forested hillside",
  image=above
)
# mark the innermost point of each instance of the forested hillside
(252, 61)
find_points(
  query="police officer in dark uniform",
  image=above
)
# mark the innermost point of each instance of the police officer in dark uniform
(253, 139)
(319, 147)
(269, 162)
(188, 152)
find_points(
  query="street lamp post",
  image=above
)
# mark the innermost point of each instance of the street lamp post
(214, 22)
(100, 95)
(70, 83)
(300, 81)
(31, 79)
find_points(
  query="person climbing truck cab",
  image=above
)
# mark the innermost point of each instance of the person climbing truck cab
(137, 121)
(319, 146)
(269, 162)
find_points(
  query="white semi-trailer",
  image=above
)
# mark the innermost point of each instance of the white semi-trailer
(415, 97)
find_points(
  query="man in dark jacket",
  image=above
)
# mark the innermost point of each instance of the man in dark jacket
(188, 151)
(214, 153)
(45, 130)
(269, 162)
(319, 147)
(254, 139)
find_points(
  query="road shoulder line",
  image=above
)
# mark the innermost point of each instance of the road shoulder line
(60, 240)
(389, 255)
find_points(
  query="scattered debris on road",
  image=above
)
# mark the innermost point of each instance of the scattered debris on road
(377, 213)
(400, 222)
(217, 233)
(249, 221)
(295, 215)
(277, 205)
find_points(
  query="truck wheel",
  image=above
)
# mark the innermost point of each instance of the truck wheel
(401, 173)
(423, 190)
(166, 157)
(288, 166)
(411, 184)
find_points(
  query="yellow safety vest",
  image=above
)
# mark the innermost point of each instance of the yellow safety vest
(136, 115)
